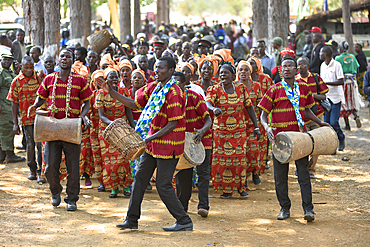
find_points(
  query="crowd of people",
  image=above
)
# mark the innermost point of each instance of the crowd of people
(233, 100)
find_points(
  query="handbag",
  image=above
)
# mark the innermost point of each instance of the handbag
(324, 103)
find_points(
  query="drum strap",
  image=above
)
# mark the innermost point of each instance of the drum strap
(313, 142)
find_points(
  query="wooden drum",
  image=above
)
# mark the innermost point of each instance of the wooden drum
(100, 40)
(52, 129)
(124, 139)
(290, 146)
(194, 155)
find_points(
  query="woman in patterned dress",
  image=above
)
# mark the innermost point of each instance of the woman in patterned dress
(227, 100)
(116, 170)
(255, 164)
(208, 68)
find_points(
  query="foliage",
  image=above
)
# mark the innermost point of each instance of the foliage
(10, 3)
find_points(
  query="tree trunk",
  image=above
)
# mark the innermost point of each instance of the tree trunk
(278, 19)
(347, 25)
(160, 10)
(137, 17)
(318, 19)
(124, 19)
(52, 27)
(26, 5)
(77, 22)
(166, 14)
(34, 15)
(86, 15)
(260, 20)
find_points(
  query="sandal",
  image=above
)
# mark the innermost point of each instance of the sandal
(358, 121)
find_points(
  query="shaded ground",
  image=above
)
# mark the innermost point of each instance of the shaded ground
(340, 195)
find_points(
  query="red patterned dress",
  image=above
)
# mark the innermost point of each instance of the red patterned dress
(256, 149)
(229, 138)
(116, 169)
(94, 138)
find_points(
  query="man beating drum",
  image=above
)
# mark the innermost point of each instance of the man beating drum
(288, 101)
(162, 126)
(65, 91)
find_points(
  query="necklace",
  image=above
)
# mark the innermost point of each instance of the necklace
(225, 90)
(52, 108)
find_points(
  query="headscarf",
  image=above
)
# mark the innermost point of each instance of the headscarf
(241, 63)
(142, 73)
(287, 51)
(80, 69)
(107, 59)
(125, 63)
(225, 54)
(191, 67)
(94, 76)
(213, 61)
(107, 71)
(259, 65)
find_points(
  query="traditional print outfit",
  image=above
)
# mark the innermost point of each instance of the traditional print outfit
(65, 100)
(195, 113)
(116, 169)
(229, 138)
(23, 92)
(288, 107)
(352, 97)
(311, 125)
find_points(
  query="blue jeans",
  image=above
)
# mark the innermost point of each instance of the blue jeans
(332, 118)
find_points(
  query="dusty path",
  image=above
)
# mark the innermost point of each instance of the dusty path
(340, 194)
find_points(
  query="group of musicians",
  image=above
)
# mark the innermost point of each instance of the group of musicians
(168, 107)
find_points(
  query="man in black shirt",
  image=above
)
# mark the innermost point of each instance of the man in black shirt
(317, 45)
(361, 59)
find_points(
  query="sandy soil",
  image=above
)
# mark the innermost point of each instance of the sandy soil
(340, 195)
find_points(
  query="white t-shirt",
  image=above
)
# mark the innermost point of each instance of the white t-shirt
(329, 73)
(197, 89)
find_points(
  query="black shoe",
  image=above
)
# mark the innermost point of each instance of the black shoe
(55, 200)
(101, 188)
(347, 127)
(312, 176)
(71, 206)
(32, 175)
(128, 225)
(40, 180)
(341, 146)
(256, 179)
(226, 195)
(309, 215)
(267, 167)
(113, 195)
(12, 158)
(244, 194)
(149, 186)
(127, 193)
(284, 214)
(177, 227)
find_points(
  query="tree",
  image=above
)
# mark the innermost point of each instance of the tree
(160, 10)
(9, 3)
(347, 25)
(52, 27)
(34, 21)
(124, 19)
(86, 15)
(260, 19)
(137, 17)
(77, 23)
(278, 19)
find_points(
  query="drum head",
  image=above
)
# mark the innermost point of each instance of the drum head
(282, 147)
(194, 153)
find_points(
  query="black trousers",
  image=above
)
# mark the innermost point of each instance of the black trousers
(281, 183)
(31, 154)
(54, 158)
(184, 183)
(165, 170)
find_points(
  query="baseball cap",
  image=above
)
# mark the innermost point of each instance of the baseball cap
(316, 30)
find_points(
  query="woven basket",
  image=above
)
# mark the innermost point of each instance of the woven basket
(100, 40)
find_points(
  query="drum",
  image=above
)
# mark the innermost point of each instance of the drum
(290, 146)
(100, 40)
(124, 139)
(52, 129)
(194, 155)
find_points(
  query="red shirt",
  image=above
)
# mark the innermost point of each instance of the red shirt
(23, 91)
(80, 92)
(311, 83)
(173, 109)
(283, 116)
(265, 82)
(149, 76)
(196, 111)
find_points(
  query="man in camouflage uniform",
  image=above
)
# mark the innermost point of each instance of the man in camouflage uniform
(6, 119)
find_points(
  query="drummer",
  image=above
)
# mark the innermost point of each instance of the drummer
(198, 122)
(289, 101)
(163, 129)
(64, 104)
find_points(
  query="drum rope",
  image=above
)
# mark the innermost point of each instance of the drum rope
(313, 142)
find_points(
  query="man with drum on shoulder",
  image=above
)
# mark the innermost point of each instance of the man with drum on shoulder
(162, 126)
(68, 96)
(289, 101)
(198, 121)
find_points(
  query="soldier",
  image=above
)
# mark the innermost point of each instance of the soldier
(6, 119)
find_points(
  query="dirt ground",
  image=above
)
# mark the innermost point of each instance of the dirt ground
(340, 195)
